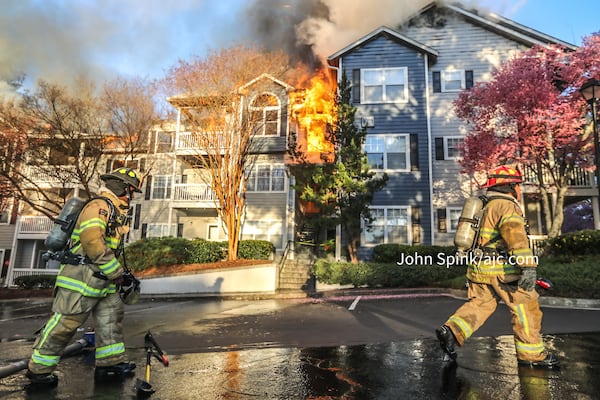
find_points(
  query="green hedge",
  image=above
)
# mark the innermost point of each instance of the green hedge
(384, 274)
(391, 253)
(256, 249)
(35, 281)
(154, 252)
(576, 279)
(575, 244)
(204, 251)
(150, 252)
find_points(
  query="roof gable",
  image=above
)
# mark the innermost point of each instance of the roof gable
(495, 23)
(268, 77)
(389, 33)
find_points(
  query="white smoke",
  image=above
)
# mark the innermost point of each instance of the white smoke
(61, 41)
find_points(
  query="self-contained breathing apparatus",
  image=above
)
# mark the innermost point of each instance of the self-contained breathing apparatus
(466, 237)
(58, 239)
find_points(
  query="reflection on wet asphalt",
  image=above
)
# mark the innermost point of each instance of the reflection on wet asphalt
(486, 369)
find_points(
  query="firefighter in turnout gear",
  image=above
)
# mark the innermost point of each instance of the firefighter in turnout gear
(88, 283)
(505, 270)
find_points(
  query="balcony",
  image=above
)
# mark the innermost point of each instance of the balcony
(32, 227)
(193, 195)
(191, 143)
(48, 177)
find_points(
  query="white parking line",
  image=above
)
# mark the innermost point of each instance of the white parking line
(354, 303)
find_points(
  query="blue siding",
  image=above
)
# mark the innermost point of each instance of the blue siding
(407, 188)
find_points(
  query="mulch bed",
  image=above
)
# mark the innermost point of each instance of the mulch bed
(9, 293)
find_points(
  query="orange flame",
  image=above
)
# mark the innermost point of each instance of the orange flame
(314, 109)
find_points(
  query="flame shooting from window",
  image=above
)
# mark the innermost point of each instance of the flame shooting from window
(314, 109)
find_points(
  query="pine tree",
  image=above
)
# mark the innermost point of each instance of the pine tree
(342, 188)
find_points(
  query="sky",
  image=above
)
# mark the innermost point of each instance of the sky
(58, 40)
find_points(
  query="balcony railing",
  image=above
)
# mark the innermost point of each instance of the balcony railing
(33, 225)
(577, 178)
(61, 175)
(193, 192)
(193, 141)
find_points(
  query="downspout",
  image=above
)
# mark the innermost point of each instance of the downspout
(338, 228)
(177, 127)
(429, 155)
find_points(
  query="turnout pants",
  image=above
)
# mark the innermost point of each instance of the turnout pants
(71, 310)
(524, 308)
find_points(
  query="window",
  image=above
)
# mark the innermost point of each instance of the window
(161, 187)
(452, 80)
(389, 152)
(265, 115)
(454, 214)
(384, 85)
(266, 178)
(164, 142)
(453, 147)
(271, 231)
(389, 225)
(111, 165)
(5, 210)
(161, 230)
(449, 147)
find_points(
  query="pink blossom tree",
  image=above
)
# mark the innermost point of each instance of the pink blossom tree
(531, 113)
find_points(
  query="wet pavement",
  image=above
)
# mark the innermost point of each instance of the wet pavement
(383, 348)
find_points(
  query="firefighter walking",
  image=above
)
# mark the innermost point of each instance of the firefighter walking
(88, 282)
(506, 271)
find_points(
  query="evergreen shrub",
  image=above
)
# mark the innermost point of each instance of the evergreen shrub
(35, 281)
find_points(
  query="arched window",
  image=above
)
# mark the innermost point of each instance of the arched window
(265, 114)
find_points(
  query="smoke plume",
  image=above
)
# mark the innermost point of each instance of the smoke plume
(64, 40)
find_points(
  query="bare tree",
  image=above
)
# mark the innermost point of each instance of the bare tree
(132, 111)
(60, 133)
(214, 101)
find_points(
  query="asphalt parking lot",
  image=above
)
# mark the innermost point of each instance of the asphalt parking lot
(348, 347)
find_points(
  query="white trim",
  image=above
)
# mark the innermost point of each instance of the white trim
(385, 163)
(444, 78)
(384, 100)
(385, 225)
(271, 167)
(264, 111)
(449, 220)
(445, 140)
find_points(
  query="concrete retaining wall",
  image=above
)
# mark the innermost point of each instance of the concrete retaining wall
(252, 279)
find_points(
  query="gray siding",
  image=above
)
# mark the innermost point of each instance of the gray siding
(7, 233)
(461, 46)
(406, 188)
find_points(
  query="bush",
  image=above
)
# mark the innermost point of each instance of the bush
(256, 249)
(576, 279)
(575, 244)
(153, 252)
(391, 252)
(384, 274)
(204, 251)
(35, 281)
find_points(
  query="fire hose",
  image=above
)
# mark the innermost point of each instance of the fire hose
(71, 350)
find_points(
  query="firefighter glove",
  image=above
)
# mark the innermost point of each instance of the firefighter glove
(527, 279)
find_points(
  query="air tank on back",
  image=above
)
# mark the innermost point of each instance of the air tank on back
(63, 224)
(468, 223)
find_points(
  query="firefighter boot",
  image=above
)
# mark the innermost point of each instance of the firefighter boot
(39, 380)
(114, 372)
(447, 342)
(550, 361)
